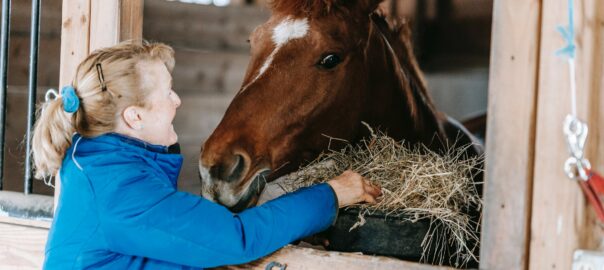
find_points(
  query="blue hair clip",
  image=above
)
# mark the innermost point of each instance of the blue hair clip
(71, 102)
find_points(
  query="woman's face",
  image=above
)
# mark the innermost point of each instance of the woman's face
(156, 118)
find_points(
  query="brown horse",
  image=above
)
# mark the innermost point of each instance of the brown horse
(318, 69)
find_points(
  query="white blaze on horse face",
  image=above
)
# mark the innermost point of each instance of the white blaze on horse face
(287, 30)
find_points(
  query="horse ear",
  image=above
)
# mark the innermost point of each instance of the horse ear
(303, 7)
(322, 7)
(366, 7)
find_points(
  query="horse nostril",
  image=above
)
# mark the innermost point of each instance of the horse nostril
(237, 169)
(231, 170)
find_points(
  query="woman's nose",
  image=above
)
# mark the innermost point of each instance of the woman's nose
(176, 100)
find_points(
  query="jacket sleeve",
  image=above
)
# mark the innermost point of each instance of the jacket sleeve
(145, 216)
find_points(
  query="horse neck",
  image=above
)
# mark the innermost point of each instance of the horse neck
(397, 98)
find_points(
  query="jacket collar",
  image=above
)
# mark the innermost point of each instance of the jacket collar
(162, 156)
(139, 143)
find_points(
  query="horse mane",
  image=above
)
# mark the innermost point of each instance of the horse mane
(398, 35)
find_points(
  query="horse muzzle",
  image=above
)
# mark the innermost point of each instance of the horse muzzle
(234, 195)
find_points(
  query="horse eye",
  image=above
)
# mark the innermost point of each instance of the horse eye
(329, 61)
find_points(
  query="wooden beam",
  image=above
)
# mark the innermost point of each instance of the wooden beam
(75, 40)
(561, 221)
(75, 37)
(21, 247)
(201, 27)
(131, 20)
(594, 42)
(104, 23)
(510, 134)
(40, 224)
(307, 258)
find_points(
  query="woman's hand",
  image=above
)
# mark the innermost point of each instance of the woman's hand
(351, 188)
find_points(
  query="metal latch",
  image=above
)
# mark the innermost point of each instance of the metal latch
(588, 260)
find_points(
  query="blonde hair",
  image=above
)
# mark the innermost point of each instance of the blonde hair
(99, 109)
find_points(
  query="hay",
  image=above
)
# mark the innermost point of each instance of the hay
(416, 184)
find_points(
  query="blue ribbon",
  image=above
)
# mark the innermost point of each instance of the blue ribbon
(71, 102)
(568, 33)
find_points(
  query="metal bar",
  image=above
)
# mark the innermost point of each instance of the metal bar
(3, 79)
(31, 106)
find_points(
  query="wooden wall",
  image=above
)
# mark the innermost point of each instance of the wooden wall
(212, 56)
(535, 218)
(561, 219)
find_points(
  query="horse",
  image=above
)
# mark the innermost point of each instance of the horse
(318, 70)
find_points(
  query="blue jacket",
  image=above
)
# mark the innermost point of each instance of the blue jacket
(119, 209)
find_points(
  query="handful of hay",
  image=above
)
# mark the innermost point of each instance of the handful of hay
(416, 184)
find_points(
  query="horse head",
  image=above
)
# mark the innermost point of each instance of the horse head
(318, 69)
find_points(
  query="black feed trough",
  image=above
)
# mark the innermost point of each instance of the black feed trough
(392, 236)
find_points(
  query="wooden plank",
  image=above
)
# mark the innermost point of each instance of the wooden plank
(203, 27)
(131, 20)
(203, 72)
(308, 258)
(104, 23)
(48, 60)
(561, 222)
(593, 42)
(113, 21)
(40, 224)
(50, 18)
(75, 38)
(21, 247)
(510, 134)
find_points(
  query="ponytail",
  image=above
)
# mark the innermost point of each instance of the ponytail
(51, 137)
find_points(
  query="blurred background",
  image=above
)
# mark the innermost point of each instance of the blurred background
(451, 38)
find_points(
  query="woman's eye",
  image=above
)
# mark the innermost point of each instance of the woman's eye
(329, 61)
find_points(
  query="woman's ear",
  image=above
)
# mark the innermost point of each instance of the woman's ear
(132, 117)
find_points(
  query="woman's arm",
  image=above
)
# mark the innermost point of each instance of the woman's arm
(144, 216)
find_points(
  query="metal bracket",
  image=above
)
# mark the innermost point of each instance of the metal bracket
(272, 264)
(588, 260)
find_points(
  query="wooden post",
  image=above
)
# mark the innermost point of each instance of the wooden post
(104, 23)
(510, 134)
(75, 37)
(131, 22)
(92, 24)
(111, 21)
(561, 221)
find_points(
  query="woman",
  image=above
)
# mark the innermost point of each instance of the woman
(107, 136)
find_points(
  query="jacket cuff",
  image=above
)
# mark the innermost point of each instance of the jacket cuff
(335, 203)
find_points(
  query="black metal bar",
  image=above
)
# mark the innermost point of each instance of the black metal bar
(3, 78)
(33, 83)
